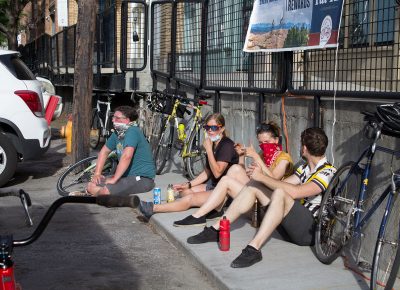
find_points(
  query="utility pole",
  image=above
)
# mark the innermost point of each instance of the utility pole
(83, 78)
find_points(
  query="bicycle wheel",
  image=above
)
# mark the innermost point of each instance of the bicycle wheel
(164, 145)
(334, 224)
(386, 261)
(196, 159)
(76, 177)
(155, 126)
(95, 130)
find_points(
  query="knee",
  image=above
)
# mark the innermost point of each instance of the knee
(278, 195)
(235, 170)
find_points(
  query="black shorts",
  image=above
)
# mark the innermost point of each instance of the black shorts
(130, 185)
(298, 226)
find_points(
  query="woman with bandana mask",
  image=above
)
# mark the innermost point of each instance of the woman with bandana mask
(136, 170)
(221, 155)
(273, 161)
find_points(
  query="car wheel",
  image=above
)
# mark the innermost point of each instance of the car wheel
(8, 159)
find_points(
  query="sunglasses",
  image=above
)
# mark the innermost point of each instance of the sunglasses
(213, 128)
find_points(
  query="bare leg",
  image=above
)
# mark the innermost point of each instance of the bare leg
(280, 205)
(184, 203)
(226, 185)
(96, 190)
(245, 201)
(238, 173)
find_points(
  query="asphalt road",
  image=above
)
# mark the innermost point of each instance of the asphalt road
(88, 246)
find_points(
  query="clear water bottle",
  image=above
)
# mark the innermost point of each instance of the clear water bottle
(170, 193)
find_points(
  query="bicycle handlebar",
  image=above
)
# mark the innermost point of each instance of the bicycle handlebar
(108, 201)
(182, 98)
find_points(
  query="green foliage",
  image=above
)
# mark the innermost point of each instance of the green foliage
(296, 37)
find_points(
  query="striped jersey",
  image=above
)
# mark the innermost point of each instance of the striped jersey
(321, 176)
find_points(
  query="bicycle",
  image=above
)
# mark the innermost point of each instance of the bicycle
(342, 214)
(7, 243)
(191, 151)
(101, 124)
(77, 175)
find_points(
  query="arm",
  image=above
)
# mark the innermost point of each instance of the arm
(123, 165)
(277, 173)
(200, 179)
(101, 160)
(217, 167)
(291, 185)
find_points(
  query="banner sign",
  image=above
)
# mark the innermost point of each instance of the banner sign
(62, 13)
(282, 25)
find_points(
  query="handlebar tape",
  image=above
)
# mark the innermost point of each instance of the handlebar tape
(118, 201)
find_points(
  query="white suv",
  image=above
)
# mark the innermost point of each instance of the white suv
(24, 132)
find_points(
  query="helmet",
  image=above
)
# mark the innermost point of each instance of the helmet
(389, 114)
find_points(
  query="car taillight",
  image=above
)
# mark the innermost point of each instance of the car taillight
(32, 100)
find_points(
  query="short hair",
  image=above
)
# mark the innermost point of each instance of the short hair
(315, 140)
(129, 112)
(270, 127)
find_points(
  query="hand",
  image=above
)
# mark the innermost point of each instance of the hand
(207, 144)
(97, 179)
(239, 148)
(256, 173)
(180, 186)
(111, 180)
(251, 152)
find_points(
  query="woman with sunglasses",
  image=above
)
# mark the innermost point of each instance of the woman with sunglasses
(272, 160)
(221, 155)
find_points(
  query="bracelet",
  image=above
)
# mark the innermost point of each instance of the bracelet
(190, 184)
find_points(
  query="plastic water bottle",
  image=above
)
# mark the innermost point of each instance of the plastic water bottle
(157, 195)
(224, 234)
(170, 193)
(181, 132)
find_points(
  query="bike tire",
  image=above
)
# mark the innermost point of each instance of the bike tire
(164, 146)
(154, 132)
(386, 260)
(76, 176)
(197, 158)
(335, 214)
(95, 130)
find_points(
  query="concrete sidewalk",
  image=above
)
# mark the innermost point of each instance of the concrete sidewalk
(284, 265)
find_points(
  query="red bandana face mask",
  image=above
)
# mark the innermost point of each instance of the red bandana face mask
(270, 152)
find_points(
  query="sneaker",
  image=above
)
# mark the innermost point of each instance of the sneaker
(214, 214)
(79, 193)
(191, 221)
(209, 234)
(146, 208)
(248, 257)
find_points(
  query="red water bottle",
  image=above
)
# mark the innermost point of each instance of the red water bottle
(224, 234)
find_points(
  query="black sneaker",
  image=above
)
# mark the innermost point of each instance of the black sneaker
(209, 234)
(146, 208)
(214, 214)
(248, 257)
(190, 221)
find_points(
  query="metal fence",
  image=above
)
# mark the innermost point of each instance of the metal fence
(208, 37)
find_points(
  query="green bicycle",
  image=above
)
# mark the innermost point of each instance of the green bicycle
(190, 145)
(77, 175)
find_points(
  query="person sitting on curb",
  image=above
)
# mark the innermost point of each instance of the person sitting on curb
(283, 197)
(274, 162)
(221, 155)
(135, 171)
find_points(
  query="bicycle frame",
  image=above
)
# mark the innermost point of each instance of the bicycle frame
(360, 218)
(104, 123)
